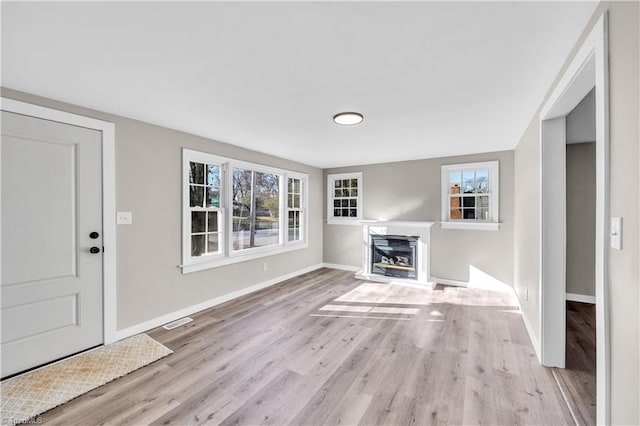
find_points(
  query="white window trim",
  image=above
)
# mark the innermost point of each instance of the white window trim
(304, 208)
(493, 223)
(229, 256)
(331, 219)
(200, 157)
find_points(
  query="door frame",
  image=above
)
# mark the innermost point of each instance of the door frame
(108, 198)
(588, 69)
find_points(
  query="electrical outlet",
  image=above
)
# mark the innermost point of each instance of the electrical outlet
(124, 218)
(264, 267)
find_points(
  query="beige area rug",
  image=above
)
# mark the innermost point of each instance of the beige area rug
(27, 395)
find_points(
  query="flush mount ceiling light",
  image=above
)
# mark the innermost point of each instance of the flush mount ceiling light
(348, 118)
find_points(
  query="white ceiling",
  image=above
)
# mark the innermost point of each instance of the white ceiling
(431, 78)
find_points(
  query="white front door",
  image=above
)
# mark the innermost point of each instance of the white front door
(51, 241)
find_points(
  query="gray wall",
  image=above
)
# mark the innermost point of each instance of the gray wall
(581, 122)
(410, 190)
(148, 183)
(581, 218)
(624, 293)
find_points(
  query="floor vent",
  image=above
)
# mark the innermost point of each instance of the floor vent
(177, 323)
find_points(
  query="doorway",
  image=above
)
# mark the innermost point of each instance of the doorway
(587, 72)
(578, 379)
(58, 215)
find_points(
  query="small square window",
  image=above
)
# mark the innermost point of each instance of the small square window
(470, 195)
(344, 194)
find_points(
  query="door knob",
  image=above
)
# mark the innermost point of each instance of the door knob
(94, 250)
(94, 235)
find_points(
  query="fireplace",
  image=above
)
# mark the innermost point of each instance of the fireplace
(396, 251)
(394, 255)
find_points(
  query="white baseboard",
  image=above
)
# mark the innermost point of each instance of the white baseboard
(341, 267)
(572, 297)
(161, 320)
(527, 326)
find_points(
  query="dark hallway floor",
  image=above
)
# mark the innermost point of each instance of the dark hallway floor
(578, 379)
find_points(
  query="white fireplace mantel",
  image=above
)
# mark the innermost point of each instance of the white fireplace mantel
(420, 229)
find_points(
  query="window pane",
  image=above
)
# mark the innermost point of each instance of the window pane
(267, 205)
(482, 181)
(241, 219)
(338, 193)
(345, 192)
(241, 239)
(353, 203)
(345, 203)
(454, 208)
(354, 183)
(290, 185)
(297, 186)
(454, 189)
(483, 201)
(354, 192)
(469, 213)
(296, 201)
(468, 201)
(468, 181)
(337, 212)
(256, 209)
(197, 245)
(337, 183)
(345, 212)
(196, 173)
(294, 226)
(336, 203)
(455, 178)
(197, 221)
(213, 197)
(345, 183)
(213, 222)
(212, 243)
(482, 213)
(213, 175)
(196, 196)
(353, 212)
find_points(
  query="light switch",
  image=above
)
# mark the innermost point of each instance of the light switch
(616, 233)
(124, 218)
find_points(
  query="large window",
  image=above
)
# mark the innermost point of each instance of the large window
(470, 195)
(256, 208)
(232, 210)
(344, 198)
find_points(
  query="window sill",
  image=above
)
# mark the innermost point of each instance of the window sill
(354, 221)
(239, 257)
(480, 226)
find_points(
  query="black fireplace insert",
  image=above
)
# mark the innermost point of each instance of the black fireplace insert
(394, 255)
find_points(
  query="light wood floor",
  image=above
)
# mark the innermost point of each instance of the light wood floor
(578, 378)
(325, 348)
